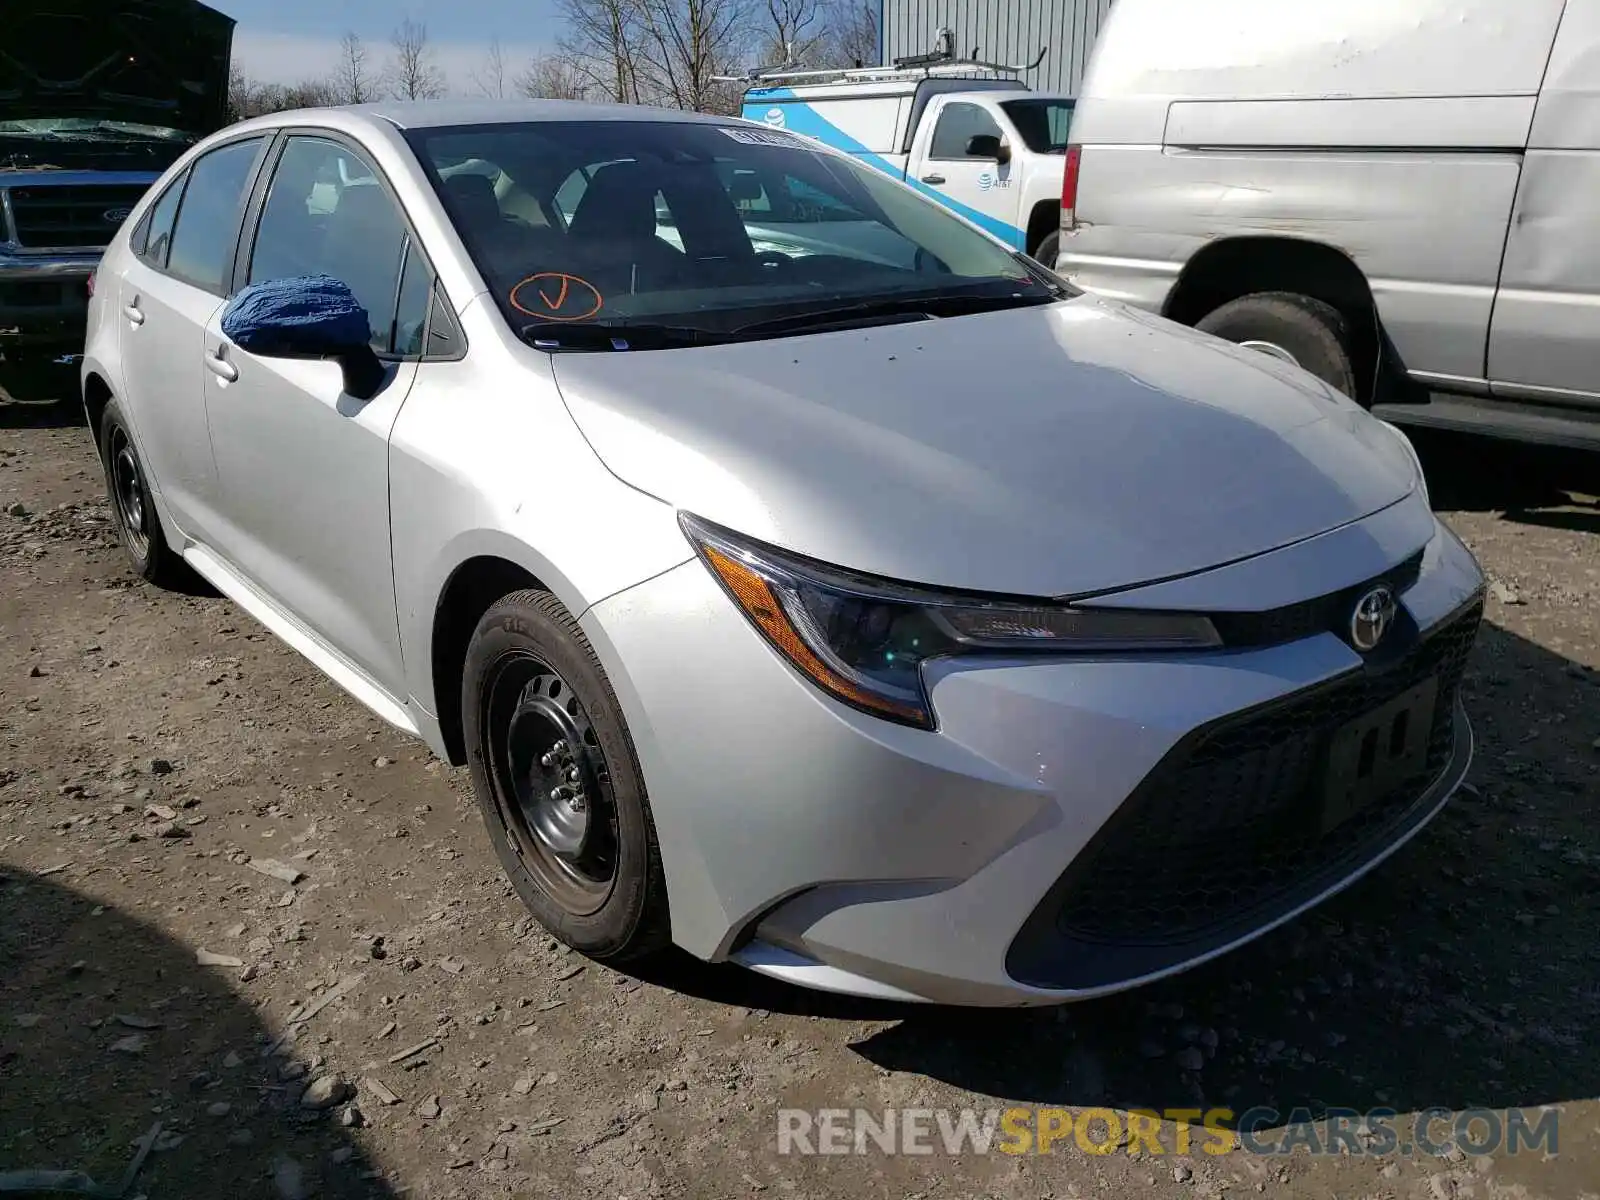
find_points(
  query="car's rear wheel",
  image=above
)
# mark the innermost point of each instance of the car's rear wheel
(1049, 250)
(558, 781)
(1291, 327)
(133, 506)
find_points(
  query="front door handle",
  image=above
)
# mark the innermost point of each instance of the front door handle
(934, 178)
(134, 313)
(221, 367)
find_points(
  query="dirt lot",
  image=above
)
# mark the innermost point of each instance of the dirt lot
(158, 751)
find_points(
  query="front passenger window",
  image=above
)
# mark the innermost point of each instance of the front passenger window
(327, 213)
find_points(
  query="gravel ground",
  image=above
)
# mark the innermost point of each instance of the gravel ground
(231, 901)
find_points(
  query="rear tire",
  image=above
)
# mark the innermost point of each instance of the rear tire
(1049, 250)
(133, 506)
(1300, 329)
(538, 712)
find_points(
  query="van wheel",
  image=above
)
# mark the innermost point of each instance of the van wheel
(1292, 327)
(1049, 250)
(558, 781)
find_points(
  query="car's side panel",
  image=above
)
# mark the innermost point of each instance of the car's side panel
(532, 493)
(304, 508)
(162, 319)
(1426, 228)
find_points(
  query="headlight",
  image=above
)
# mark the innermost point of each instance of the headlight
(1416, 461)
(864, 640)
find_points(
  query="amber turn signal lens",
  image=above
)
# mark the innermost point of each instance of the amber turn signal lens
(755, 595)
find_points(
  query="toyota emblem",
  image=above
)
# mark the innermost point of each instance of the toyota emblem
(1373, 615)
(116, 216)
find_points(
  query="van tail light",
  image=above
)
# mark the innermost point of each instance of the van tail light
(89, 285)
(1069, 188)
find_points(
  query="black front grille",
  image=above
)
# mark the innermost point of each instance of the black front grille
(1329, 613)
(70, 216)
(1228, 823)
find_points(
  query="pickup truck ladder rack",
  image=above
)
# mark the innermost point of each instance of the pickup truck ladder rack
(941, 61)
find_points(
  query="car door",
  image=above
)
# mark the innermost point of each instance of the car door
(979, 188)
(173, 284)
(1546, 322)
(304, 467)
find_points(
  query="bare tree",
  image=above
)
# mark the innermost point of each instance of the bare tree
(684, 44)
(250, 98)
(793, 31)
(413, 73)
(853, 36)
(491, 80)
(602, 47)
(353, 82)
(554, 77)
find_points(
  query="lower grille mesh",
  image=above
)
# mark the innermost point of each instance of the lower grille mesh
(1229, 823)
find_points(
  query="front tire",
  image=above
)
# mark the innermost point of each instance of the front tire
(559, 784)
(133, 505)
(1299, 329)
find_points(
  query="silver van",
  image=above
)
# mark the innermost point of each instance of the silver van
(1402, 197)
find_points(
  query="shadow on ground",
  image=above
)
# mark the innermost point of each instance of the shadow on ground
(107, 1027)
(1482, 474)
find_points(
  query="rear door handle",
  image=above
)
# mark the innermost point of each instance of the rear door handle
(134, 313)
(933, 178)
(221, 367)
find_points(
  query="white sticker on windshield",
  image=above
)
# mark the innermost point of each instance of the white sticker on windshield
(760, 137)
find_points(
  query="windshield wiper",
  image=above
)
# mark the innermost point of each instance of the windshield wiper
(592, 336)
(887, 310)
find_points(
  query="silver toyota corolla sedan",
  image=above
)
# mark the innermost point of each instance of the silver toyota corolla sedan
(875, 611)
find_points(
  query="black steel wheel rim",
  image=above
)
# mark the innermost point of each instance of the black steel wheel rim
(128, 493)
(552, 786)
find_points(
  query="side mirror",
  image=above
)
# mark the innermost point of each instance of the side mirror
(309, 316)
(988, 145)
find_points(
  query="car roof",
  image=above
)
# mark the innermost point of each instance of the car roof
(430, 114)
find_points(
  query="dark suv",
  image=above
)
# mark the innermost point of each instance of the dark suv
(97, 99)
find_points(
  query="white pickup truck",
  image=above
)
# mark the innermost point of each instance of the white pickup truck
(988, 148)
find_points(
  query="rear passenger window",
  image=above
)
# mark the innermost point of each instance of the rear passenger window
(158, 226)
(208, 219)
(958, 124)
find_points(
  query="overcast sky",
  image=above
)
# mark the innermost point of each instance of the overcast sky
(284, 41)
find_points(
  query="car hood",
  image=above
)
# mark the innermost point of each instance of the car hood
(147, 62)
(1053, 451)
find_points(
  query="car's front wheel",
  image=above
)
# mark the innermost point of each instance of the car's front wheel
(133, 506)
(558, 781)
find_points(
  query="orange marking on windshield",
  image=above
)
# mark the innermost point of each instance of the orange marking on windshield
(562, 297)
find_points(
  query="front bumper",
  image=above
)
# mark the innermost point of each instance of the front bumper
(44, 301)
(821, 845)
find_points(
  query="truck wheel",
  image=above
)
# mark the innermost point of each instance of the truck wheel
(1049, 250)
(1295, 328)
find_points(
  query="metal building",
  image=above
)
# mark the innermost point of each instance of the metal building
(1011, 31)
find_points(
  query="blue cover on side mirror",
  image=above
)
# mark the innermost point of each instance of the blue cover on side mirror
(309, 314)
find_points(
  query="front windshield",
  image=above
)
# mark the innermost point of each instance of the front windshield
(1043, 124)
(52, 127)
(702, 226)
